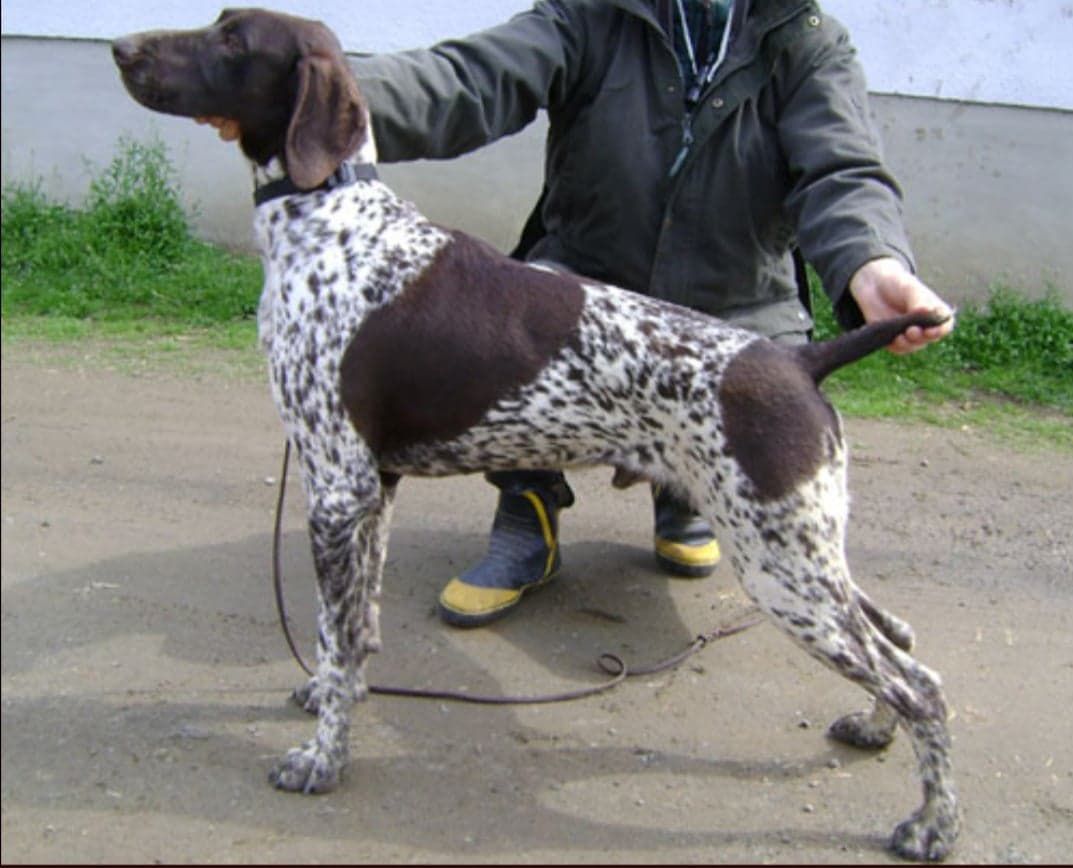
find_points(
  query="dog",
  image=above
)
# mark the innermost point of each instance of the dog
(398, 347)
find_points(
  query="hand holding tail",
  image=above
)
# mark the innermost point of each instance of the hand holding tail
(884, 288)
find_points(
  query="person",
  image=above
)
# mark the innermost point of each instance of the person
(698, 151)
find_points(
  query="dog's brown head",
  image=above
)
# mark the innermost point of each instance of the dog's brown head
(283, 79)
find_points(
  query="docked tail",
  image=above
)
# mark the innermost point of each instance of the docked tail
(821, 359)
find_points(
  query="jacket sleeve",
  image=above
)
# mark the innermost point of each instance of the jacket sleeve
(845, 204)
(461, 94)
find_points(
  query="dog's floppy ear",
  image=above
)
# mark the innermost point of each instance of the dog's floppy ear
(328, 122)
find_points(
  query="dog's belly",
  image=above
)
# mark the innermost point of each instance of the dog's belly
(549, 423)
(559, 422)
(487, 448)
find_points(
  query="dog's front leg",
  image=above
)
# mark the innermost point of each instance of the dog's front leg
(348, 532)
(371, 540)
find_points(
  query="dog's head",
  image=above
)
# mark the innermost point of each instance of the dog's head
(283, 80)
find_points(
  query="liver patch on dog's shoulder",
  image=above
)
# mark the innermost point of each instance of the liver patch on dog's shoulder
(473, 326)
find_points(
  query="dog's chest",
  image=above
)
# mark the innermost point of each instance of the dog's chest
(330, 258)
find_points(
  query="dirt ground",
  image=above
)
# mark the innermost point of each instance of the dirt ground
(145, 679)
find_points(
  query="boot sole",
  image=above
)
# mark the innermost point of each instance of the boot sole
(693, 568)
(455, 618)
(684, 571)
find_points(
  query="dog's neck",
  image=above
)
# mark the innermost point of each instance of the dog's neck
(271, 181)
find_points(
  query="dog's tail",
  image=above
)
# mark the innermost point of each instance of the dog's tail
(821, 359)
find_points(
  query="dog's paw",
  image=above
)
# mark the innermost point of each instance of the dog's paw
(306, 769)
(924, 839)
(861, 730)
(307, 696)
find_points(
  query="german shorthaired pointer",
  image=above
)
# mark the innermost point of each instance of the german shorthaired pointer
(399, 347)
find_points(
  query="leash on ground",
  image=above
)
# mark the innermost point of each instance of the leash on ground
(611, 664)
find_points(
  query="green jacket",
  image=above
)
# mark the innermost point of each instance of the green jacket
(782, 149)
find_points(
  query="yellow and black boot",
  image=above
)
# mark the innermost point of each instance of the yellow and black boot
(685, 544)
(523, 551)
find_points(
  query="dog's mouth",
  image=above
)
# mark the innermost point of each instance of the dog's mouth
(142, 78)
(150, 93)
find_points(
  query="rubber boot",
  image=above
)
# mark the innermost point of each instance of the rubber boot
(523, 550)
(685, 545)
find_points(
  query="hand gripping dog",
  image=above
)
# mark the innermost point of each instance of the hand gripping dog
(397, 347)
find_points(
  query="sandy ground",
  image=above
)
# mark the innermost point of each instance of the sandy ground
(144, 676)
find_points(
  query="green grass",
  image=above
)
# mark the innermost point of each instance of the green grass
(1008, 366)
(126, 259)
(1008, 347)
(123, 276)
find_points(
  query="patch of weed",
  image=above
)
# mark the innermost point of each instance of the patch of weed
(128, 255)
(1008, 348)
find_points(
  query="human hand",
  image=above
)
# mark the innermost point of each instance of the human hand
(227, 128)
(885, 288)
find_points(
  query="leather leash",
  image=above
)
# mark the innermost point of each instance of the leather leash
(611, 664)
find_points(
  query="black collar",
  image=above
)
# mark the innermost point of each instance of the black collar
(344, 176)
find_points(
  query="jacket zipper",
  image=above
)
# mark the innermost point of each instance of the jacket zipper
(687, 119)
(687, 143)
(692, 98)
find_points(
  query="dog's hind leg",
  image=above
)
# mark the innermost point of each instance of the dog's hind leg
(895, 629)
(789, 556)
(875, 729)
(348, 526)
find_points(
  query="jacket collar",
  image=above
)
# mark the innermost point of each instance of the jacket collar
(764, 13)
(751, 21)
(651, 10)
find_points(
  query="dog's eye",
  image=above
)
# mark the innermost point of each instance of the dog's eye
(232, 40)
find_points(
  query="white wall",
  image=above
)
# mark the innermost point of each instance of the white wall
(1015, 52)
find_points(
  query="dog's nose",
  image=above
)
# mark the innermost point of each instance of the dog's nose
(125, 51)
